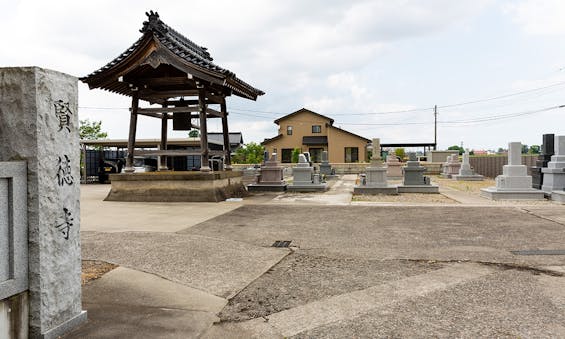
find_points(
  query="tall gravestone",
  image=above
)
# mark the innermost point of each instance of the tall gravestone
(514, 183)
(39, 124)
(465, 172)
(554, 173)
(547, 150)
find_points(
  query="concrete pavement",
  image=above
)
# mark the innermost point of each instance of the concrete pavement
(192, 270)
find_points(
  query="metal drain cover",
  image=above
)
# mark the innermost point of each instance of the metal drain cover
(539, 252)
(281, 243)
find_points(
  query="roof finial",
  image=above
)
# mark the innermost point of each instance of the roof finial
(153, 24)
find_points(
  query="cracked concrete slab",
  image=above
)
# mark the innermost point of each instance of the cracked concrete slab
(217, 266)
(507, 304)
(383, 232)
(126, 303)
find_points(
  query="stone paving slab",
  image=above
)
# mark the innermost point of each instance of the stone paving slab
(435, 233)
(130, 304)
(216, 266)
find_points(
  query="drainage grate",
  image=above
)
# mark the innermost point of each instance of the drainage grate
(281, 243)
(539, 252)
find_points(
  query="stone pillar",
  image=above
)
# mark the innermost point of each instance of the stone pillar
(39, 124)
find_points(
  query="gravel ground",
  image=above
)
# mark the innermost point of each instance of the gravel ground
(94, 269)
(465, 186)
(407, 198)
(299, 279)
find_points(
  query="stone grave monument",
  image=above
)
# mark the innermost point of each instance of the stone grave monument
(304, 178)
(39, 131)
(514, 183)
(393, 167)
(325, 167)
(554, 173)
(375, 181)
(271, 178)
(414, 179)
(451, 166)
(547, 150)
(465, 172)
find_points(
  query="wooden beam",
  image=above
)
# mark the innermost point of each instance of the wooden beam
(176, 152)
(164, 81)
(132, 130)
(152, 94)
(169, 109)
(226, 134)
(154, 115)
(204, 165)
(163, 146)
(215, 113)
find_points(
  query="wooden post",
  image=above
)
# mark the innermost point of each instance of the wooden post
(227, 148)
(204, 165)
(132, 129)
(163, 158)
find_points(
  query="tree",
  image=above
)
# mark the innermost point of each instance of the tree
(525, 149)
(472, 152)
(457, 148)
(251, 153)
(295, 153)
(534, 149)
(194, 133)
(91, 130)
(399, 152)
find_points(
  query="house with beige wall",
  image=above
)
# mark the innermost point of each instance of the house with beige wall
(314, 133)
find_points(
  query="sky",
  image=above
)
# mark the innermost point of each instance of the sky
(495, 69)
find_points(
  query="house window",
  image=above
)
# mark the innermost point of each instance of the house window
(286, 156)
(316, 154)
(351, 154)
(316, 129)
(288, 130)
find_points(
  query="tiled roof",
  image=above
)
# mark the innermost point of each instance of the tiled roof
(315, 140)
(304, 110)
(185, 49)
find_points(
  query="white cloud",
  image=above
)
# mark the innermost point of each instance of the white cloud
(540, 17)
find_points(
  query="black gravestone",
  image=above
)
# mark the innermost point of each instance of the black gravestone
(547, 150)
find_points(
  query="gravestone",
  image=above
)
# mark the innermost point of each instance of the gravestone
(414, 179)
(375, 179)
(39, 124)
(554, 173)
(451, 166)
(271, 178)
(547, 150)
(325, 167)
(514, 183)
(465, 172)
(393, 167)
(303, 178)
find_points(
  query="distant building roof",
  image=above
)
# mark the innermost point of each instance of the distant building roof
(304, 110)
(236, 138)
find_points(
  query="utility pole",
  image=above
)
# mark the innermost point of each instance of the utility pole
(435, 127)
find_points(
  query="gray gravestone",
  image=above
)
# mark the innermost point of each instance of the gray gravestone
(39, 124)
(514, 183)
